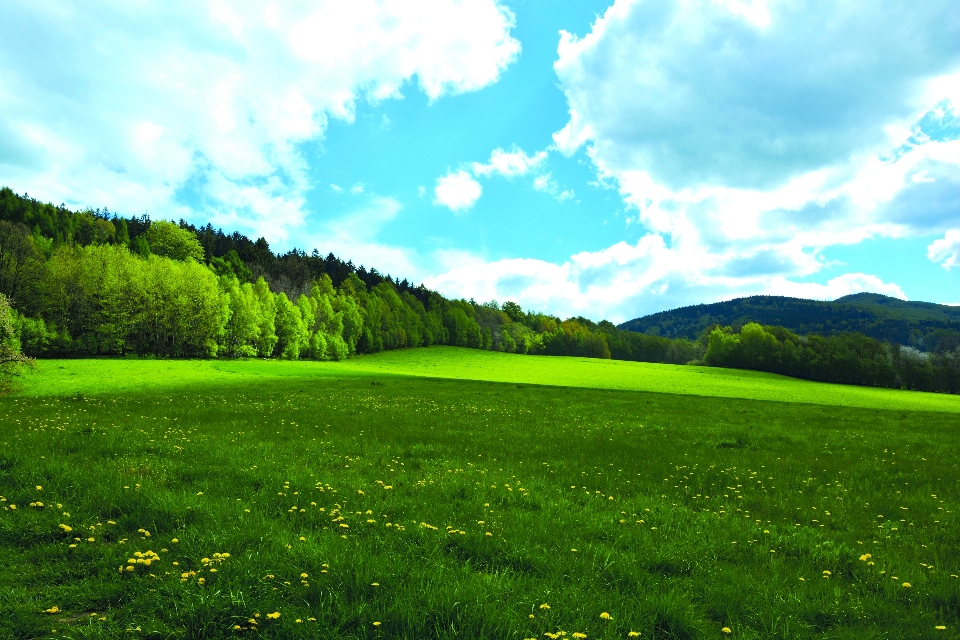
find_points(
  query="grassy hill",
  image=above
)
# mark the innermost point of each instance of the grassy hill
(455, 493)
(112, 376)
(920, 324)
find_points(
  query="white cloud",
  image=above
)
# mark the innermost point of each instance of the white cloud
(693, 93)
(547, 184)
(130, 105)
(353, 236)
(625, 281)
(457, 191)
(946, 250)
(747, 137)
(509, 164)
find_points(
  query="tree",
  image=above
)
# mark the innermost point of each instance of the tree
(170, 241)
(12, 361)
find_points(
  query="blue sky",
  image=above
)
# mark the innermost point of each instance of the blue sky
(606, 159)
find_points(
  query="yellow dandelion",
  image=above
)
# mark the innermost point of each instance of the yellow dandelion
(726, 630)
(39, 488)
(53, 609)
(940, 627)
(304, 575)
(606, 616)
(907, 585)
(274, 615)
(577, 634)
(633, 634)
(544, 606)
(376, 624)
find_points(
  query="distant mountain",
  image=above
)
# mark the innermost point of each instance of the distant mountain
(923, 325)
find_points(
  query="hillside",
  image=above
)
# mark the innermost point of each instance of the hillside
(923, 325)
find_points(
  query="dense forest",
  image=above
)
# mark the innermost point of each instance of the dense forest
(921, 325)
(92, 283)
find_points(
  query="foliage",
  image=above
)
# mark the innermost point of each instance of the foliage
(90, 283)
(923, 325)
(676, 516)
(848, 358)
(12, 360)
(170, 241)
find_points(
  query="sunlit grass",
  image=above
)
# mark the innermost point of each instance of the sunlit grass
(369, 506)
(132, 375)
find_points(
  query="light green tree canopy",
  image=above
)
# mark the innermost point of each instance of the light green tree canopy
(170, 241)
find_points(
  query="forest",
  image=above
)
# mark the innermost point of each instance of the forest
(922, 325)
(92, 283)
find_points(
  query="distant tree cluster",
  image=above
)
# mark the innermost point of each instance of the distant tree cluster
(849, 358)
(90, 283)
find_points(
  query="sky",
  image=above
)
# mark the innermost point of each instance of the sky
(607, 159)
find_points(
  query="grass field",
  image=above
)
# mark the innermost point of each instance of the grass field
(443, 493)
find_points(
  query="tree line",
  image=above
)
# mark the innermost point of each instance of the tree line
(849, 358)
(91, 283)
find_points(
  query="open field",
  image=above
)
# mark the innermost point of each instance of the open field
(357, 500)
(132, 375)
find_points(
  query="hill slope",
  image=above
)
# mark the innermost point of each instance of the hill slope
(923, 325)
(134, 375)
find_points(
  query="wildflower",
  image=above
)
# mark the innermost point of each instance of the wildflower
(174, 541)
(274, 615)
(298, 621)
(865, 557)
(303, 575)
(606, 616)
(39, 488)
(53, 609)
(544, 606)
(577, 634)
(633, 634)
(726, 630)
(374, 584)
(302, 539)
(940, 627)
(488, 534)
(376, 624)
(907, 585)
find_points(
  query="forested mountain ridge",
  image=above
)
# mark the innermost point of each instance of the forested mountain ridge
(922, 325)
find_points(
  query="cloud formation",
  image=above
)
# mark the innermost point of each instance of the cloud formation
(746, 138)
(457, 191)
(175, 105)
(510, 164)
(946, 250)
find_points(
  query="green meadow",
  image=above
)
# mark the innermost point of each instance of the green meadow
(453, 493)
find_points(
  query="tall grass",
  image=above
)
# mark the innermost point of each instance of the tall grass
(393, 507)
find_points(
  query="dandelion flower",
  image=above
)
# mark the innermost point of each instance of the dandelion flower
(577, 634)
(53, 609)
(376, 624)
(304, 575)
(274, 615)
(726, 630)
(907, 585)
(606, 616)
(633, 634)
(940, 627)
(544, 606)
(39, 488)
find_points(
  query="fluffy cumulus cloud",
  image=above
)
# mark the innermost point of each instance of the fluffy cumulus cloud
(510, 164)
(133, 105)
(946, 250)
(746, 137)
(460, 190)
(457, 191)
